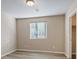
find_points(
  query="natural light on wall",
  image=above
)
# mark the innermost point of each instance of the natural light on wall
(38, 30)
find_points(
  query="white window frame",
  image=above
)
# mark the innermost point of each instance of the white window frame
(46, 30)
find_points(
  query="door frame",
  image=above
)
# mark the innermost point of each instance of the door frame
(70, 32)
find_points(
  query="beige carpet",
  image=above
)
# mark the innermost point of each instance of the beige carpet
(32, 55)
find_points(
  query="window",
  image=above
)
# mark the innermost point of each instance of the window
(38, 30)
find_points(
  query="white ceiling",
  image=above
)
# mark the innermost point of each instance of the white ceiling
(19, 9)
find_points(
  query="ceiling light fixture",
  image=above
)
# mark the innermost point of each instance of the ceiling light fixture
(30, 2)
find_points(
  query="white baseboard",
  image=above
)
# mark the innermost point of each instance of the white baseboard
(8, 53)
(67, 56)
(74, 53)
(39, 51)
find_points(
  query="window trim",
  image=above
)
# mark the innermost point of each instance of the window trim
(46, 30)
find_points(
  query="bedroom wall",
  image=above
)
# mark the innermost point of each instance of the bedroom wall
(55, 34)
(8, 34)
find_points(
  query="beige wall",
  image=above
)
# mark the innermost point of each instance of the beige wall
(55, 34)
(8, 34)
